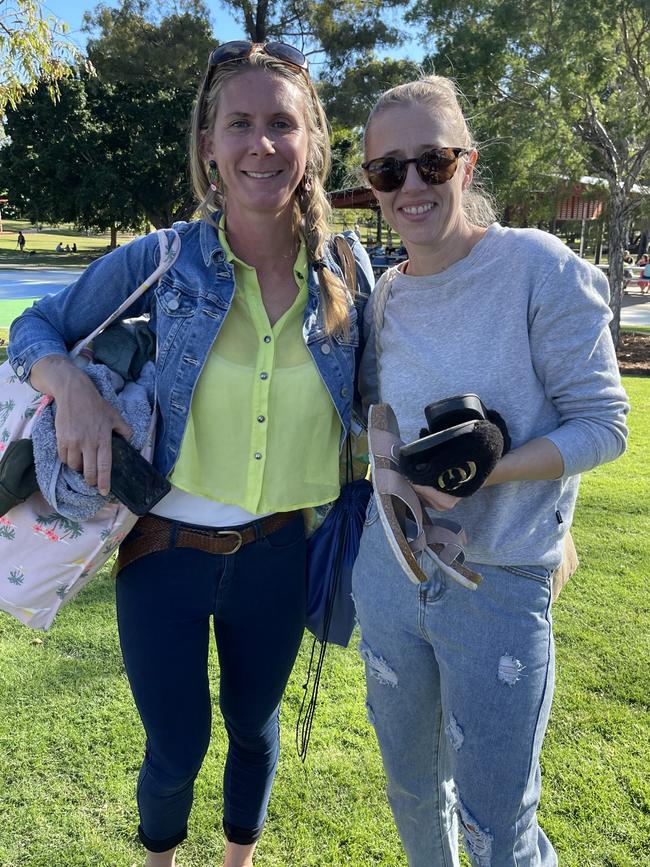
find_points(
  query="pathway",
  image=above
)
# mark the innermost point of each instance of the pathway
(22, 283)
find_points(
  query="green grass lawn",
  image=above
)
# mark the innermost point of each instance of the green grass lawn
(70, 739)
(10, 310)
(40, 246)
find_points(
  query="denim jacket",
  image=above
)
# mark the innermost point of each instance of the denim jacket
(187, 309)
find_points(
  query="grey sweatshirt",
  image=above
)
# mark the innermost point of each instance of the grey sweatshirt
(523, 323)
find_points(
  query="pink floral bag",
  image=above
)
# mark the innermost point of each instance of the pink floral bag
(45, 559)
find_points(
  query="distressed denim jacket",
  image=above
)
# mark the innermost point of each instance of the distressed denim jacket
(187, 309)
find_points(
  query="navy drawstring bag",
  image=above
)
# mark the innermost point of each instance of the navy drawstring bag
(331, 553)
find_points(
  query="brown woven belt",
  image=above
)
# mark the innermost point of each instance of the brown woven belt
(156, 534)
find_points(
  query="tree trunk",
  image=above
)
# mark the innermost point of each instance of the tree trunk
(156, 219)
(599, 242)
(617, 226)
(113, 236)
(583, 236)
(256, 21)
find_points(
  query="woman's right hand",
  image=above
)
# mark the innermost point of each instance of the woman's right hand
(84, 421)
(435, 499)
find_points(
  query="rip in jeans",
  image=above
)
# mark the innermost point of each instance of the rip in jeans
(510, 669)
(454, 733)
(377, 666)
(477, 841)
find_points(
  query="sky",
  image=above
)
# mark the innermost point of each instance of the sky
(223, 24)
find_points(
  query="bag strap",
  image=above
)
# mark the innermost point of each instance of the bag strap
(304, 723)
(168, 254)
(380, 296)
(347, 262)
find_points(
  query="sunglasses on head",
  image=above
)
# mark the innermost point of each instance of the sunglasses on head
(435, 166)
(242, 49)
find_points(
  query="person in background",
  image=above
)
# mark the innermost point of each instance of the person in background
(460, 682)
(256, 337)
(20, 241)
(644, 277)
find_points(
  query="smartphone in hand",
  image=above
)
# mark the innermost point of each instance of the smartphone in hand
(134, 481)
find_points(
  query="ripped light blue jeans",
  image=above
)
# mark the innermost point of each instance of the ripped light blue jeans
(460, 685)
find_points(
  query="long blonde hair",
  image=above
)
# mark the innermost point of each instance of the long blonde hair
(442, 95)
(311, 214)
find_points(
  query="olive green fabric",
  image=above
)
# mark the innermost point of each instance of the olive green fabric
(17, 475)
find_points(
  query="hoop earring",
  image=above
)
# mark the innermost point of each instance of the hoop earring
(213, 175)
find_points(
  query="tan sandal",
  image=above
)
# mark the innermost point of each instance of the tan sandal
(410, 531)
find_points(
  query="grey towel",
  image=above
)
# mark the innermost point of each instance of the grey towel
(66, 490)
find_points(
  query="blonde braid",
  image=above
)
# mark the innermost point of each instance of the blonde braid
(316, 214)
(314, 209)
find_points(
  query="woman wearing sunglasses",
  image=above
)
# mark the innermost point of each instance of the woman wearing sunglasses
(460, 680)
(256, 336)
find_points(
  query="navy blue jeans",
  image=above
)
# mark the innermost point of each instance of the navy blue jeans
(165, 600)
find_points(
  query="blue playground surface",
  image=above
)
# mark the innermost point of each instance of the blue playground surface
(27, 283)
(22, 284)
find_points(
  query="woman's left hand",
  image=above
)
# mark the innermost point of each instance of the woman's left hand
(435, 499)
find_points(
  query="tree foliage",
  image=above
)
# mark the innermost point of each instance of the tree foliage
(561, 88)
(341, 38)
(114, 149)
(149, 62)
(342, 29)
(59, 166)
(350, 95)
(33, 49)
(142, 41)
(346, 158)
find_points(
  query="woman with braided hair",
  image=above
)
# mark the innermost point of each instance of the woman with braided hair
(256, 335)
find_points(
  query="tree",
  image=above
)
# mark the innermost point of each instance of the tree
(562, 88)
(349, 95)
(33, 48)
(340, 37)
(57, 165)
(113, 151)
(149, 63)
(342, 29)
(346, 157)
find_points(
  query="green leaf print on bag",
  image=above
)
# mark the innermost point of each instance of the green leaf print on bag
(112, 541)
(5, 410)
(49, 524)
(29, 412)
(16, 576)
(7, 529)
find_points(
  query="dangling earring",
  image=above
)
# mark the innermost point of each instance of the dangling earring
(213, 175)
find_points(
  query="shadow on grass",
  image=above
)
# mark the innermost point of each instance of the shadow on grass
(50, 259)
